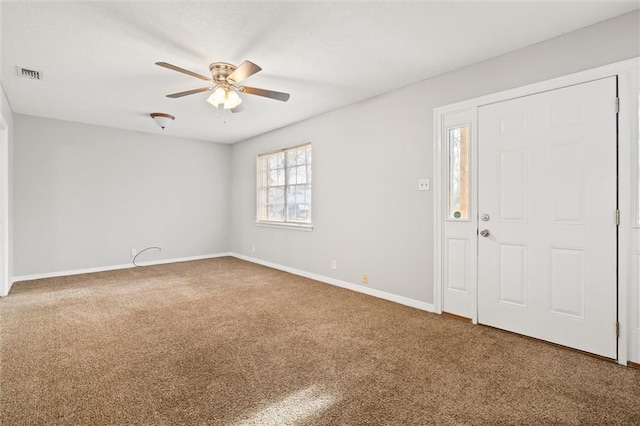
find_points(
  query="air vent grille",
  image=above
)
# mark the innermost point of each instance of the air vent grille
(32, 74)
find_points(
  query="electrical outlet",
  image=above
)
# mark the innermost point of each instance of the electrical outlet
(134, 252)
(334, 264)
(365, 278)
(253, 248)
(424, 185)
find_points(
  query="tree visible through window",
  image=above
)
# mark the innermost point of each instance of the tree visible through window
(284, 186)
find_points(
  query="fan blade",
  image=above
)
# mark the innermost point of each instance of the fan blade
(239, 108)
(245, 70)
(182, 70)
(189, 92)
(280, 96)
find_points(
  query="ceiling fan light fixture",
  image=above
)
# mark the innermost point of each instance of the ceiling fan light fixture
(225, 79)
(225, 97)
(162, 119)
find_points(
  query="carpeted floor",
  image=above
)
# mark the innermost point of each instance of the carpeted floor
(227, 342)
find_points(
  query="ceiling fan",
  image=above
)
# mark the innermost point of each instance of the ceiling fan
(225, 78)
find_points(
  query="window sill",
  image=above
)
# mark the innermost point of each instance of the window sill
(294, 226)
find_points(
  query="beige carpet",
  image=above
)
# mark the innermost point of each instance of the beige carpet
(227, 342)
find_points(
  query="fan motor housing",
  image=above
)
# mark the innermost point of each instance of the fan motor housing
(221, 70)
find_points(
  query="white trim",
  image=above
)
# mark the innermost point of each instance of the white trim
(5, 279)
(115, 267)
(628, 204)
(473, 287)
(619, 68)
(286, 225)
(339, 283)
(438, 203)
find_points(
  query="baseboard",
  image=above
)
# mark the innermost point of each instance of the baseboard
(338, 283)
(113, 267)
(328, 280)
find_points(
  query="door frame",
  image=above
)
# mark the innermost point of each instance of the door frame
(626, 202)
(5, 281)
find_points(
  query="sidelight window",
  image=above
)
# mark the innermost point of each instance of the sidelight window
(458, 144)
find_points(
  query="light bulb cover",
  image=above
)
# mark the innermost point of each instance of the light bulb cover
(233, 100)
(219, 96)
(162, 119)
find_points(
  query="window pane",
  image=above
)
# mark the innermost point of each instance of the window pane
(293, 177)
(276, 161)
(280, 180)
(301, 174)
(297, 157)
(273, 177)
(294, 195)
(459, 173)
(275, 212)
(275, 195)
(298, 206)
(298, 212)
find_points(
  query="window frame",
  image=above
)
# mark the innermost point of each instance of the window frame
(262, 187)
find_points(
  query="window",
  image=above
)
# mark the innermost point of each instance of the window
(459, 173)
(284, 186)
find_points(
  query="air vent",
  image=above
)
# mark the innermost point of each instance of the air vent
(32, 74)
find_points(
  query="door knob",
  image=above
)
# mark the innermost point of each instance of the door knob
(485, 233)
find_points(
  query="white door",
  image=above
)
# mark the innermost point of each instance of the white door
(547, 200)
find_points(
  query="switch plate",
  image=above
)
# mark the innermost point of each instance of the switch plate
(424, 185)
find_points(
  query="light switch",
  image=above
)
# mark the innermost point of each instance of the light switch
(423, 185)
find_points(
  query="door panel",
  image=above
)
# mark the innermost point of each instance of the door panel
(458, 265)
(547, 180)
(512, 180)
(459, 253)
(512, 274)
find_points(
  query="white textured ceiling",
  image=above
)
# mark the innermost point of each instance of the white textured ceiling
(97, 58)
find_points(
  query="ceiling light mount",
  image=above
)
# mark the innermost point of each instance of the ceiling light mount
(162, 119)
(220, 71)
